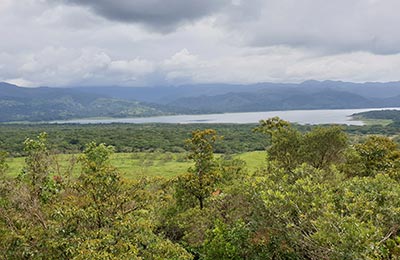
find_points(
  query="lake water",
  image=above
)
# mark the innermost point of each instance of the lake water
(325, 116)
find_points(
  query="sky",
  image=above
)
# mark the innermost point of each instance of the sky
(174, 42)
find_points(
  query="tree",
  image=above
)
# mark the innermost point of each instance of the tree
(201, 179)
(99, 182)
(272, 125)
(377, 154)
(37, 170)
(106, 217)
(320, 147)
(29, 203)
(285, 142)
(324, 146)
(3, 163)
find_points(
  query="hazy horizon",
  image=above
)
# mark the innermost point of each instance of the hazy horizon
(205, 84)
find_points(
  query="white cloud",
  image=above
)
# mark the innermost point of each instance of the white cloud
(331, 26)
(4, 4)
(181, 58)
(136, 66)
(241, 41)
(284, 64)
(21, 82)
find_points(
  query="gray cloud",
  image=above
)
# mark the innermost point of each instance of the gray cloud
(81, 42)
(159, 15)
(329, 26)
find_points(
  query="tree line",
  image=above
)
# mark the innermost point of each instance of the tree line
(72, 138)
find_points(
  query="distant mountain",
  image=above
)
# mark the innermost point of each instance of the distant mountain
(266, 101)
(46, 104)
(169, 94)
(36, 104)
(166, 94)
(307, 95)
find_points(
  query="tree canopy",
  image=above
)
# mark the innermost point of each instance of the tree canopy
(317, 196)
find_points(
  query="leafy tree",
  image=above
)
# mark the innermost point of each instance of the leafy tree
(3, 163)
(29, 202)
(324, 146)
(362, 219)
(285, 142)
(37, 170)
(201, 179)
(377, 154)
(272, 125)
(231, 169)
(320, 147)
(108, 218)
(225, 242)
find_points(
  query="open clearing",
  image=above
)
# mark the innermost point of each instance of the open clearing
(137, 165)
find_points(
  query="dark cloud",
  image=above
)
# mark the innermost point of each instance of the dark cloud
(329, 26)
(159, 15)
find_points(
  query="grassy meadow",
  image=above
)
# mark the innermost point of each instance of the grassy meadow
(141, 164)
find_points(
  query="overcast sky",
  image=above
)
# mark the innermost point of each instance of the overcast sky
(173, 42)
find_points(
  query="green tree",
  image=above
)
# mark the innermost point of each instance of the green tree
(202, 178)
(285, 142)
(324, 146)
(362, 221)
(320, 147)
(225, 242)
(106, 217)
(99, 182)
(37, 170)
(29, 203)
(377, 154)
(3, 163)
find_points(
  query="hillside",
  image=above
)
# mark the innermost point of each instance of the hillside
(391, 117)
(167, 94)
(266, 100)
(218, 98)
(45, 104)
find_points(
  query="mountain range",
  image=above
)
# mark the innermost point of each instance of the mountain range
(45, 103)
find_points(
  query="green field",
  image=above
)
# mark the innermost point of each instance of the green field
(137, 165)
(373, 121)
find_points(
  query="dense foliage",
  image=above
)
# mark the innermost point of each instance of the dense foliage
(129, 137)
(317, 197)
(70, 138)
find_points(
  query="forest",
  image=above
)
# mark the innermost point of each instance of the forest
(322, 192)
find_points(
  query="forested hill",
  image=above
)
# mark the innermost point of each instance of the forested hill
(218, 98)
(167, 94)
(391, 116)
(44, 104)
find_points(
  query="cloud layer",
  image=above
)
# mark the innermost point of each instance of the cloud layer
(158, 42)
(335, 26)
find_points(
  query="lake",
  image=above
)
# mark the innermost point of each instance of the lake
(323, 116)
